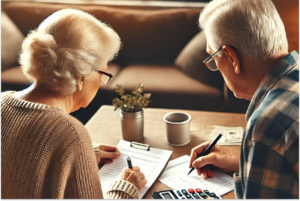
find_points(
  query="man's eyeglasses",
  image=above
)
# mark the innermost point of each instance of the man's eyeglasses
(209, 61)
(105, 76)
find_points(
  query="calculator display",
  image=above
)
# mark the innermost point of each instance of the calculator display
(166, 196)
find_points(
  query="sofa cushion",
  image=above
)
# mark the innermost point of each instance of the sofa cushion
(14, 75)
(11, 41)
(148, 36)
(190, 61)
(170, 88)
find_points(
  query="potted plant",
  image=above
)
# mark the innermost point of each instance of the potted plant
(131, 111)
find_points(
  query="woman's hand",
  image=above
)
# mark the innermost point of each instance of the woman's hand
(220, 157)
(106, 153)
(134, 176)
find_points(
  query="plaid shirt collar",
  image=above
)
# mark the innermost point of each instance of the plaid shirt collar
(284, 65)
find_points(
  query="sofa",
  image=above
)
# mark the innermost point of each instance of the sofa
(162, 47)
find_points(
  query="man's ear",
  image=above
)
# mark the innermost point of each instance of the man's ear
(80, 83)
(234, 57)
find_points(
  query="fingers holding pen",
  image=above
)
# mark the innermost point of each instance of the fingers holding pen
(136, 168)
(210, 173)
(196, 151)
(134, 176)
(206, 172)
(201, 167)
(204, 160)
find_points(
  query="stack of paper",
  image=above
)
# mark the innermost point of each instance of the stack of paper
(230, 135)
(175, 176)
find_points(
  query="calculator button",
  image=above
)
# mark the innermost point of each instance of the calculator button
(188, 196)
(183, 198)
(178, 193)
(216, 197)
(191, 190)
(198, 190)
(211, 194)
(184, 192)
(203, 195)
(206, 191)
(196, 196)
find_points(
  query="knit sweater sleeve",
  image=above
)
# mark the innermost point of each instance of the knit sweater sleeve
(78, 173)
(83, 182)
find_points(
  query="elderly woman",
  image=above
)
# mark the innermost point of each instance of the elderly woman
(248, 45)
(46, 153)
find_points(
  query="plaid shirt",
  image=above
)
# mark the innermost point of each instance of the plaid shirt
(269, 162)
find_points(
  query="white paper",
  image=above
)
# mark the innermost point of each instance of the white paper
(175, 176)
(151, 163)
(230, 135)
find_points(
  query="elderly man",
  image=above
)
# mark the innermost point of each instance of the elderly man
(248, 45)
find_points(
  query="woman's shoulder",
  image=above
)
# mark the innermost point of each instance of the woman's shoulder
(42, 118)
(65, 121)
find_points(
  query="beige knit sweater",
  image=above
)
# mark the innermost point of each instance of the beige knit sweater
(47, 153)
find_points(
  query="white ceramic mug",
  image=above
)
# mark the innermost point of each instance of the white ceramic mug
(178, 128)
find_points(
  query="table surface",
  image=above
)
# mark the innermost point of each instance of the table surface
(105, 127)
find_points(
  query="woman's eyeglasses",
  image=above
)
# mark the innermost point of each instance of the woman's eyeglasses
(209, 61)
(105, 76)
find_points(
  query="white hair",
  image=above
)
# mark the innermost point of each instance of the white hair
(253, 27)
(67, 45)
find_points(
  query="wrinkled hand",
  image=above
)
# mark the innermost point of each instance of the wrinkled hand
(221, 158)
(134, 176)
(106, 153)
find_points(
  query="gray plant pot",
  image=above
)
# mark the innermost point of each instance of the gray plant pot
(132, 125)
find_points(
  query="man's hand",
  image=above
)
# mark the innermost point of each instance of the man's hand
(220, 157)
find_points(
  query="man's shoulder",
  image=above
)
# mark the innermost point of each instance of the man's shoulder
(283, 95)
(278, 113)
(289, 82)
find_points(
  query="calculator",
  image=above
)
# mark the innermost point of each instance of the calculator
(190, 193)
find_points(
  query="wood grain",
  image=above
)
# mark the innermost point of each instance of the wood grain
(105, 127)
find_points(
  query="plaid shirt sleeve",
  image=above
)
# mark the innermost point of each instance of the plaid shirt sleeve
(269, 164)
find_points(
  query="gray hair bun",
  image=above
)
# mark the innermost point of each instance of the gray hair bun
(40, 60)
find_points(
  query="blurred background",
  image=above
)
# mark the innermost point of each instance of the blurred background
(163, 48)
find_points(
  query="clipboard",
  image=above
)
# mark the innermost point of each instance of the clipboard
(151, 161)
(141, 146)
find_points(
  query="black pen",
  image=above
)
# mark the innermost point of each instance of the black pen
(129, 162)
(207, 150)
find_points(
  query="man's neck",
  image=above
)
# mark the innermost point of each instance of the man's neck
(257, 70)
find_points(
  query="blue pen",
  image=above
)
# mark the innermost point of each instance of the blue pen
(207, 150)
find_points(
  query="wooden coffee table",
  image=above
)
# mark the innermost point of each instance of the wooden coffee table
(105, 127)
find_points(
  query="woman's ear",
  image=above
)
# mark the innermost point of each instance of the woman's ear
(234, 58)
(80, 83)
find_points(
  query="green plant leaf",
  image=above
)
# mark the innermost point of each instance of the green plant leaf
(133, 102)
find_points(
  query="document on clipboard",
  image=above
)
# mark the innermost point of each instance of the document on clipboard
(150, 160)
